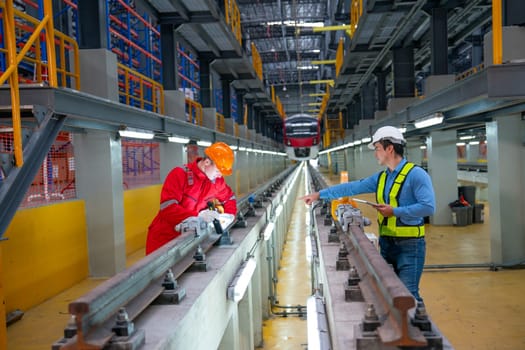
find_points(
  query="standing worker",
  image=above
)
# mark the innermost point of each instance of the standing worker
(188, 192)
(404, 196)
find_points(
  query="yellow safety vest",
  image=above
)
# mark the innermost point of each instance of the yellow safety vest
(387, 226)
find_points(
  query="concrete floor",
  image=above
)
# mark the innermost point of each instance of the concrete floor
(475, 308)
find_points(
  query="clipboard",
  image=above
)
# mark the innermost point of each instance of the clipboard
(365, 202)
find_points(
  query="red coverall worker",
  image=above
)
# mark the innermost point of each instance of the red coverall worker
(187, 190)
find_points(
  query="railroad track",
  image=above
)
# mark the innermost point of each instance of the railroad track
(103, 317)
(391, 317)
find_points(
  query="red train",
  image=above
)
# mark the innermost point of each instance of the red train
(302, 136)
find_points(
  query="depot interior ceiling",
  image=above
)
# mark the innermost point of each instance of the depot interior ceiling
(287, 45)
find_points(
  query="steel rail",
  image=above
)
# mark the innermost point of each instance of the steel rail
(380, 286)
(92, 310)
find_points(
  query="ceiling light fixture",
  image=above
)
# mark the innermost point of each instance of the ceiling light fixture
(136, 133)
(178, 139)
(433, 119)
(203, 143)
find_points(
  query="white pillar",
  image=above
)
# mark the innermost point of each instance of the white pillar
(506, 177)
(442, 167)
(98, 158)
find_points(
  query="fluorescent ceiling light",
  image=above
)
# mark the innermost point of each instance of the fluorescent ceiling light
(423, 147)
(473, 143)
(402, 130)
(433, 119)
(241, 280)
(136, 134)
(178, 139)
(467, 137)
(203, 143)
(366, 139)
(295, 24)
(307, 67)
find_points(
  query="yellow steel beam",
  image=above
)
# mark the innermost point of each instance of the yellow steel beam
(325, 81)
(314, 103)
(317, 94)
(331, 28)
(497, 45)
(323, 62)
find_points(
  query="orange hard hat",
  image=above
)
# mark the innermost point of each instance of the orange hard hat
(222, 155)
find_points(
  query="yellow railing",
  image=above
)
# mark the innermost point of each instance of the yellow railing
(257, 62)
(356, 11)
(193, 112)
(14, 59)
(219, 122)
(65, 43)
(236, 129)
(470, 72)
(339, 55)
(233, 18)
(137, 88)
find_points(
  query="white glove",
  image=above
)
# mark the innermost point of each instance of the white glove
(193, 222)
(226, 220)
(209, 215)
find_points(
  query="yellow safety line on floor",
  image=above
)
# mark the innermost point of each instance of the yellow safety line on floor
(293, 287)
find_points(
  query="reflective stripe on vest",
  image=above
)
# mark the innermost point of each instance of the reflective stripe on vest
(388, 226)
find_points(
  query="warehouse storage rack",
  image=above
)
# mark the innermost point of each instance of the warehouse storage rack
(135, 38)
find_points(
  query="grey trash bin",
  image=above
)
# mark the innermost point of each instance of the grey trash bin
(460, 216)
(479, 215)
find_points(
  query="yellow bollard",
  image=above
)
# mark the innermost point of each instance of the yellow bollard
(344, 176)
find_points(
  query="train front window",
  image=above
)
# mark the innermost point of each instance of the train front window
(301, 129)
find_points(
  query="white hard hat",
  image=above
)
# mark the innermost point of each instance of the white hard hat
(389, 133)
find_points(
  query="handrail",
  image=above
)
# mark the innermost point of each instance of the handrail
(470, 72)
(14, 60)
(236, 129)
(257, 62)
(219, 121)
(232, 16)
(145, 84)
(193, 112)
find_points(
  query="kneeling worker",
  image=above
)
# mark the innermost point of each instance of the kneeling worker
(187, 191)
